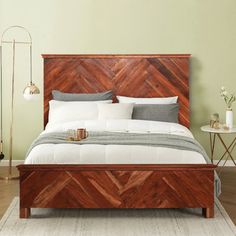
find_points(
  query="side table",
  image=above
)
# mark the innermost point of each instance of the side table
(213, 133)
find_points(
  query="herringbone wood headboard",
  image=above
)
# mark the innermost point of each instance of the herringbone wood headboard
(127, 75)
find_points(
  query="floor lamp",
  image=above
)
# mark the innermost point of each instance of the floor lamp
(30, 92)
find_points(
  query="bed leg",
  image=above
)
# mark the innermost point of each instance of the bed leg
(208, 212)
(24, 212)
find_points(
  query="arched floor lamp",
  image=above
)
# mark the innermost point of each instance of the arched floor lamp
(30, 92)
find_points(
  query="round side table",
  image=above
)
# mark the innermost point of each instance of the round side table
(213, 133)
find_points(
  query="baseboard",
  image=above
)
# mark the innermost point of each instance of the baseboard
(14, 162)
(18, 162)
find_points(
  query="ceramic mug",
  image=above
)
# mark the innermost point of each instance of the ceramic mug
(81, 134)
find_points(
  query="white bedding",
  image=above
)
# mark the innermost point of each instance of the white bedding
(114, 154)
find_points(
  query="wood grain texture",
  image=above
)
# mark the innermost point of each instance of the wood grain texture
(228, 178)
(118, 186)
(208, 212)
(130, 167)
(177, 186)
(126, 75)
(24, 212)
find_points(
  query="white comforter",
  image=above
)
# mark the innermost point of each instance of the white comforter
(114, 154)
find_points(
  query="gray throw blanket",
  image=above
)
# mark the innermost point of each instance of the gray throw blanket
(118, 138)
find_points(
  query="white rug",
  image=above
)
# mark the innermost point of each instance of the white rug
(62, 222)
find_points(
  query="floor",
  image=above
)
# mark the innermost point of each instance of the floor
(228, 195)
(8, 190)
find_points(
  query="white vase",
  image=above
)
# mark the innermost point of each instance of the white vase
(229, 118)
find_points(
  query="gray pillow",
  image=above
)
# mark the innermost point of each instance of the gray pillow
(156, 112)
(66, 97)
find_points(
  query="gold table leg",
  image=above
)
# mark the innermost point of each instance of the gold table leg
(228, 150)
(232, 143)
(212, 145)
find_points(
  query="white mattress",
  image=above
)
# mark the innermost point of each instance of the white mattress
(114, 154)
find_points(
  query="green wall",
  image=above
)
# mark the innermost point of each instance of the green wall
(206, 29)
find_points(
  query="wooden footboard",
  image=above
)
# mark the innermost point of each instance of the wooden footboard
(117, 186)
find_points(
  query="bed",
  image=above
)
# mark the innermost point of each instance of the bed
(115, 175)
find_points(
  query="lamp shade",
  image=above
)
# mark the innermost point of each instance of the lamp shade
(31, 92)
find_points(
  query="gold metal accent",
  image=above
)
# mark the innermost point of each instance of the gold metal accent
(31, 89)
(212, 144)
(12, 108)
(228, 149)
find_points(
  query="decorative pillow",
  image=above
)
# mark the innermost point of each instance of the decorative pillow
(60, 112)
(115, 111)
(156, 112)
(165, 100)
(60, 96)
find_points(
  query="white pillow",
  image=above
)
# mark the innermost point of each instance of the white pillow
(60, 111)
(164, 100)
(115, 111)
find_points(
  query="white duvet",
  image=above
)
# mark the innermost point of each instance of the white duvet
(114, 154)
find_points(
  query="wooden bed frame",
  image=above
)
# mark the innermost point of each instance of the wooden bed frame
(116, 185)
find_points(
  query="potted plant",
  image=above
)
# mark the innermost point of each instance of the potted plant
(229, 98)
